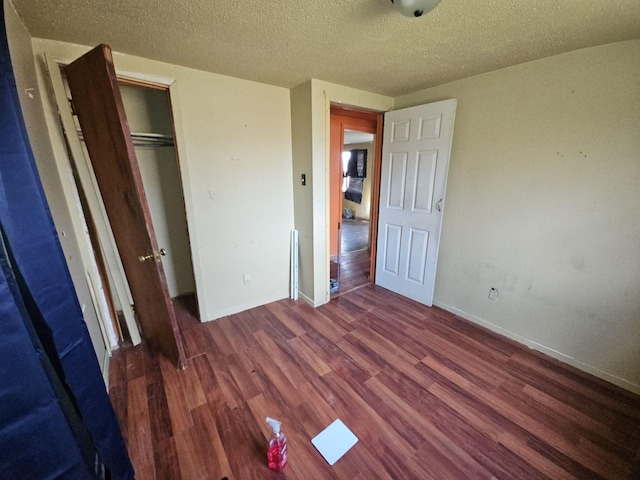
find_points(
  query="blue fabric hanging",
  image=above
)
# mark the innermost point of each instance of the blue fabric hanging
(36, 440)
(38, 437)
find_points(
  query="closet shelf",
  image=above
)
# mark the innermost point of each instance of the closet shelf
(146, 139)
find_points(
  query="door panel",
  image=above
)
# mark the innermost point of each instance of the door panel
(400, 131)
(391, 249)
(430, 127)
(98, 105)
(418, 243)
(425, 180)
(415, 159)
(397, 180)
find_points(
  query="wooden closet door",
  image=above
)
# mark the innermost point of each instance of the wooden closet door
(98, 105)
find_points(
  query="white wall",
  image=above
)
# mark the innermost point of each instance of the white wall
(543, 203)
(29, 95)
(234, 142)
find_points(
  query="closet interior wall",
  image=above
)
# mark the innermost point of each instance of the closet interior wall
(148, 113)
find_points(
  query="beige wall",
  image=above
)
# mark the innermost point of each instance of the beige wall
(234, 142)
(302, 151)
(29, 94)
(543, 200)
(362, 210)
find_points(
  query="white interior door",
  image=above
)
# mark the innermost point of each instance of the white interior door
(415, 159)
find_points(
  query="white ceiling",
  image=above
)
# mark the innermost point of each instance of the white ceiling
(364, 44)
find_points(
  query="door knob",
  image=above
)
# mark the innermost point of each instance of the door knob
(152, 256)
(439, 205)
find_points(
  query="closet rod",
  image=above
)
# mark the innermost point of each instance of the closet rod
(146, 139)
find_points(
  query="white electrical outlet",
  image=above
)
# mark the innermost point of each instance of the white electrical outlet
(493, 294)
(246, 278)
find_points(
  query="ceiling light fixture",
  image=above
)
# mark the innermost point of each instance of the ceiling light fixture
(415, 8)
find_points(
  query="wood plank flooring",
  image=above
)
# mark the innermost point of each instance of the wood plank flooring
(354, 271)
(430, 396)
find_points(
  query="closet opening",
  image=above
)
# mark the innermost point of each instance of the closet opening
(148, 110)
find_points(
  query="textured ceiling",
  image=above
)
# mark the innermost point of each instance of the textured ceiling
(364, 44)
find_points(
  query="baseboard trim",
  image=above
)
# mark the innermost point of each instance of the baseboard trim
(620, 382)
(308, 300)
(304, 298)
(241, 308)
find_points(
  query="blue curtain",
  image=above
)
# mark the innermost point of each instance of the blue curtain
(56, 419)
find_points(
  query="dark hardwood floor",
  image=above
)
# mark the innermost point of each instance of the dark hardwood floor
(355, 258)
(354, 271)
(430, 396)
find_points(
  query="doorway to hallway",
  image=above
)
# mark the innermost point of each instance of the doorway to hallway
(354, 193)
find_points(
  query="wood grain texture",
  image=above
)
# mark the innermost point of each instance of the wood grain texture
(354, 271)
(429, 395)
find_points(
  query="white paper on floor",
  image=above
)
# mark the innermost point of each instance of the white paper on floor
(334, 441)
